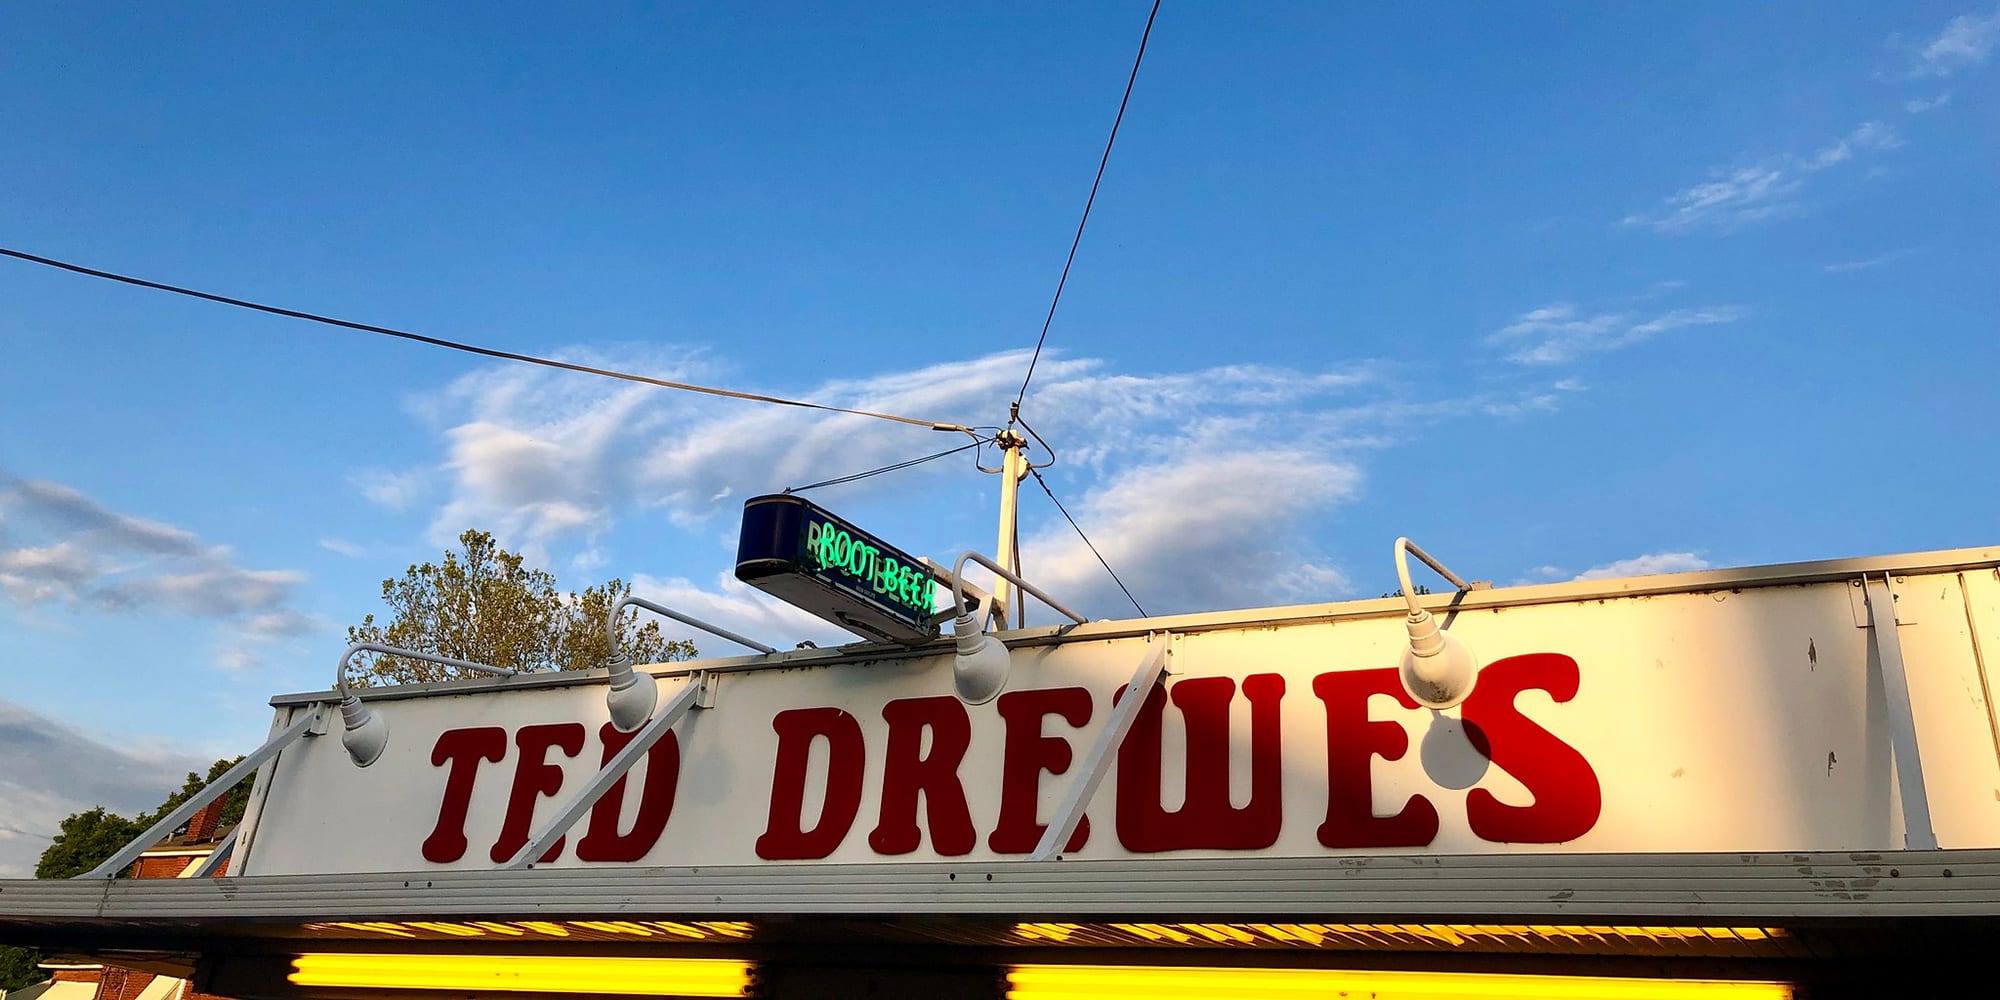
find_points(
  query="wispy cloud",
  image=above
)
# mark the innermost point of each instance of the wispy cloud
(343, 547)
(394, 490)
(1734, 197)
(553, 463)
(1561, 331)
(66, 550)
(1845, 266)
(1923, 104)
(1646, 565)
(1965, 42)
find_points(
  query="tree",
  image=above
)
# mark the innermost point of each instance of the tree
(17, 967)
(481, 604)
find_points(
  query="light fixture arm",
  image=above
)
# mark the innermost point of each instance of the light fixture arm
(1406, 548)
(633, 694)
(366, 733)
(611, 625)
(1439, 669)
(958, 587)
(340, 682)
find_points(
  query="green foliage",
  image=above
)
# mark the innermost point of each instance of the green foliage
(1398, 592)
(233, 801)
(17, 967)
(481, 604)
(86, 838)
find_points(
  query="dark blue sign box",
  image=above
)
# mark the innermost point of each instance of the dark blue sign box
(796, 551)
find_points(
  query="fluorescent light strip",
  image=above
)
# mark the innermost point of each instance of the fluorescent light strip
(1111, 982)
(678, 977)
(1448, 935)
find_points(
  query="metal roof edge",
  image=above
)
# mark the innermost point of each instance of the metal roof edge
(1562, 887)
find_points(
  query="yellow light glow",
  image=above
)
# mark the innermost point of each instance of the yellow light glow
(683, 977)
(1378, 935)
(1108, 982)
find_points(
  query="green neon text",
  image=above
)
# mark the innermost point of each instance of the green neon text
(833, 548)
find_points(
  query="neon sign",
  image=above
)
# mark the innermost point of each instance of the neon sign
(803, 555)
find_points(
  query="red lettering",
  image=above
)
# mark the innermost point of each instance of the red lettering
(784, 839)
(464, 750)
(1352, 741)
(1205, 818)
(535, 777)
(662, 765)
(1565, 789)
(905, 775)
(1028, 753)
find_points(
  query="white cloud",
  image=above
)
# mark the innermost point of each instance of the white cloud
(393, 490)
(1843, 267)
(340, 546)
(53, 770)
(1646, 565)
(736, 606)
(1206, 532)
(1735, 197)
(1221, 465)
(68, 551)
(1922, 105)
(1965, 42)
(1561, 332)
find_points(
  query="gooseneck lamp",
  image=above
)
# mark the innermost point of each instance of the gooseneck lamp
(981, 663)
(1438, 669)
(633, 693)
(366, 735)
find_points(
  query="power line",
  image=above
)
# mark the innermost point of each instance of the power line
(471, 348)
(1078, 240)
(887, 468)
(1087, 541)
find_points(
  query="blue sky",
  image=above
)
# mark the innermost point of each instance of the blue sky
(1554, 289)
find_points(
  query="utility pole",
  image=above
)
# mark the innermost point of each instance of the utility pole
(1013, 469)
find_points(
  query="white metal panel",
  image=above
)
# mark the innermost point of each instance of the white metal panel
(1718, 720)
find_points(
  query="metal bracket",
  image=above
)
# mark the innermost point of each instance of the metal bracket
(1098, 761)
(1857, 601)
(213, 790)
(698, 692)
(1888, 647)
(941, 574)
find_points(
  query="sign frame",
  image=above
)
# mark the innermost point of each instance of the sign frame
(854, 579)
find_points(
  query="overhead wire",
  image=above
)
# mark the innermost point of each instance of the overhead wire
(1037, 473)
(977, 442)
(473, 348)
(1092, 200)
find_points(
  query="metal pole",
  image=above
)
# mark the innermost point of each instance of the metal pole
(1013, 469)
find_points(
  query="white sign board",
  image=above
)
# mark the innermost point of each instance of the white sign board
(1751, 719)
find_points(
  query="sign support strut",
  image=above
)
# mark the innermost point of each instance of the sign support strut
(1132, 699)
(697, 693)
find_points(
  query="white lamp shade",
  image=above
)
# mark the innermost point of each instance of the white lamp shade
(631, 698)
(979, 670)
(1438, 669)
(366, 734)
